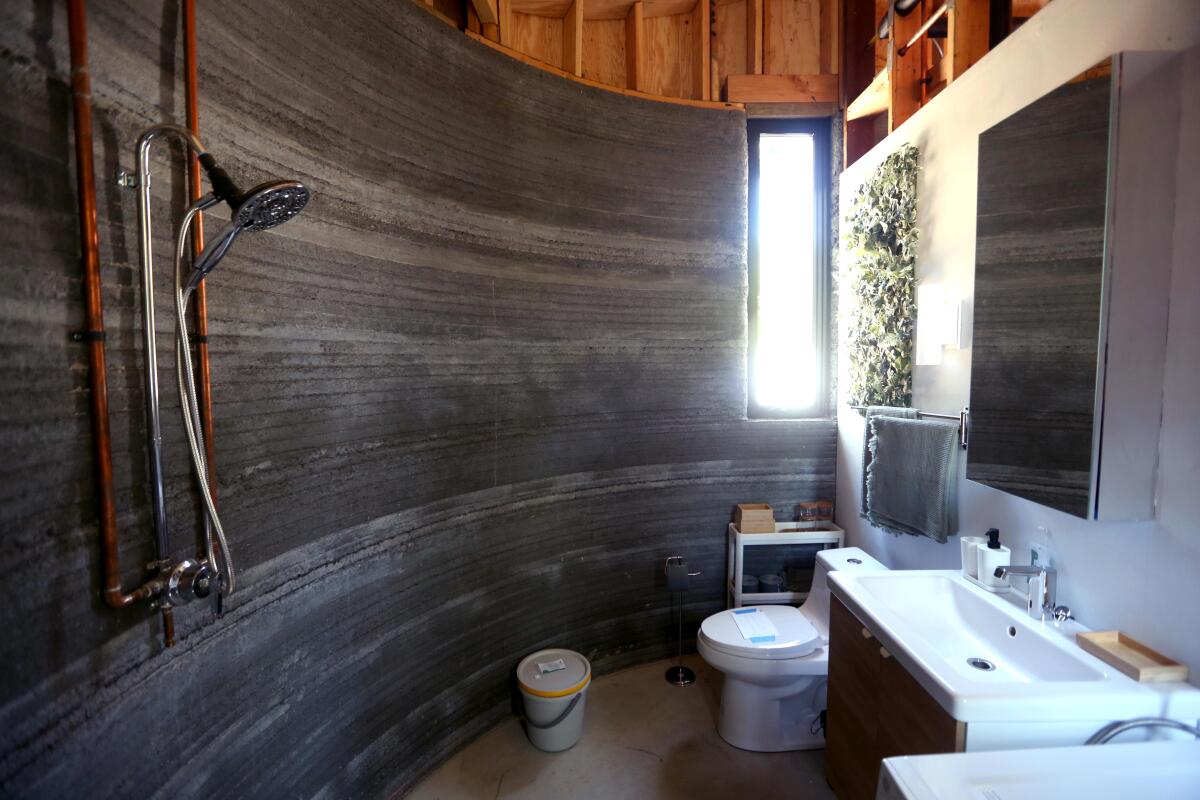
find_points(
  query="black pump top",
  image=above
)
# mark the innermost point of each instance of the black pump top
(993, 535)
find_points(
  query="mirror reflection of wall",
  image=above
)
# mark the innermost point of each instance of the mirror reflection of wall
(1039, 264)
(1069, 259)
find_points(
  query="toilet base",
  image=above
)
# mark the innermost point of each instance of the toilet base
(773, 719)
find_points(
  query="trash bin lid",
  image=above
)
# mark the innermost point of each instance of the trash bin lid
(553, 673)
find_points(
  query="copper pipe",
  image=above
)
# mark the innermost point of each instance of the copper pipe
(81, 98)
(203, 363)
(168, 619)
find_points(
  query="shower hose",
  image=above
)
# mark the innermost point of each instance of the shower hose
(191, 409)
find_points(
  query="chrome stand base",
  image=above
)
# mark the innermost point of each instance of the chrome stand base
(680, 676)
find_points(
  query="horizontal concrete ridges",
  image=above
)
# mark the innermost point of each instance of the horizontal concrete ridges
(466, 403)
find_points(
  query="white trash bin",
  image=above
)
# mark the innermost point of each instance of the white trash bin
(554, 686)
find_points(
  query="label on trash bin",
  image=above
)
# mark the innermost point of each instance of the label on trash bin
(551, 666)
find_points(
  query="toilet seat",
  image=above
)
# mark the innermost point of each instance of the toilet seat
(796, 638)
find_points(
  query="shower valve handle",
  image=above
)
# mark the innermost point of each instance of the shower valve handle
(184, 581)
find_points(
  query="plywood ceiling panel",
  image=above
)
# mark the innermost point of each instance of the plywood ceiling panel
(604, 50)
(669, 59)
(792, 37)
(540, 37)
(729, 40)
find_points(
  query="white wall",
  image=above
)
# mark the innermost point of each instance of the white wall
(1143, 578)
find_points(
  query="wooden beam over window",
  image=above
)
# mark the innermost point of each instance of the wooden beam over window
(781, 88)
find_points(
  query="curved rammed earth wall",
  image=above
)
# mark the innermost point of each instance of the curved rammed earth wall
(465, 405)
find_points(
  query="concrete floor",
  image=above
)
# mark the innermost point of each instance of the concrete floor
(642, 739)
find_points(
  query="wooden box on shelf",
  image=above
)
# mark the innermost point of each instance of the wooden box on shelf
(754, 518)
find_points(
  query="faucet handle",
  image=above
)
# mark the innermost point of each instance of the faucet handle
(1062, 614)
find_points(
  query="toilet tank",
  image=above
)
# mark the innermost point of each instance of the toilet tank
(816, 607)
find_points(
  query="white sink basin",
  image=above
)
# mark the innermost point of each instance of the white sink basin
(943, 628)
(1158, 770)
(955, 623)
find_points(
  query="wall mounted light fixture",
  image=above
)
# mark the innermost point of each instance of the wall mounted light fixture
(939, 324)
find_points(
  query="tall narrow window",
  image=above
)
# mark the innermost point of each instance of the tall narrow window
(789, 267)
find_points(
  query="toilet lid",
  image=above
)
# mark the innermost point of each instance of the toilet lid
(796, 637)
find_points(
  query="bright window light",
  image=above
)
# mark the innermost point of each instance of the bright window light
(786, 368)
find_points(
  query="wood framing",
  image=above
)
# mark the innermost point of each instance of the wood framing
(1024, 9)
(781, 89)
(535, 62)
(754, 37)
(701, 51)
(487, 11)
(678, 48)
(504, 8)
(573, 39)
(905, 71)
(831, 39)
(967, 34)
(874, 99)
(635, 48)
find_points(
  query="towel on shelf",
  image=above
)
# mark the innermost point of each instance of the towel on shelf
(912, 480)
(868, 413)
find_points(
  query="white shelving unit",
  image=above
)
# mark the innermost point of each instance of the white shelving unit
(822, 533)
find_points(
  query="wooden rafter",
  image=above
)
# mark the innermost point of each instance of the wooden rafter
(488, 11)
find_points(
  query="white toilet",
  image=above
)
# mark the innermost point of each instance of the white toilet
(775, 691)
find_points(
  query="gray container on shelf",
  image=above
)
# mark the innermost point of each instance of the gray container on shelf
(749, 584)
(770, 583)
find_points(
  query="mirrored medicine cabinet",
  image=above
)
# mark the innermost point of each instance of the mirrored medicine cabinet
(1072, 266)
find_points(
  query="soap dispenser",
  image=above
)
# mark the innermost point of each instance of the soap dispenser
(992, 556)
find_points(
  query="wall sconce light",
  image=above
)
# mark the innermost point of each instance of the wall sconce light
(939, 324)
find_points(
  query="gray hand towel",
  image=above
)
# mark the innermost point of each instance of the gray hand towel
(877, 411)
(912, 480)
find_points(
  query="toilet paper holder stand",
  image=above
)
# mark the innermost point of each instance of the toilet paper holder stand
(676, 571)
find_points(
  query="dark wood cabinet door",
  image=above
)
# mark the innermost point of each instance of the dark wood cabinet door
(910, 722)
(851, 755)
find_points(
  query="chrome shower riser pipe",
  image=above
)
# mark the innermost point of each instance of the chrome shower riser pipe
(153, 422)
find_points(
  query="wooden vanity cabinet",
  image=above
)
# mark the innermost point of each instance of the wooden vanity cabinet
(876, 709)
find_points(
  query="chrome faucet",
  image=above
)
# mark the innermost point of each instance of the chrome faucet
(1047, 583)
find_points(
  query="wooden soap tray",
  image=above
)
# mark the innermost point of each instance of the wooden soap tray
(1131, 657)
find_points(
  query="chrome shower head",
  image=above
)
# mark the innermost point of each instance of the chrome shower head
(262, 208)
(270, 204)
